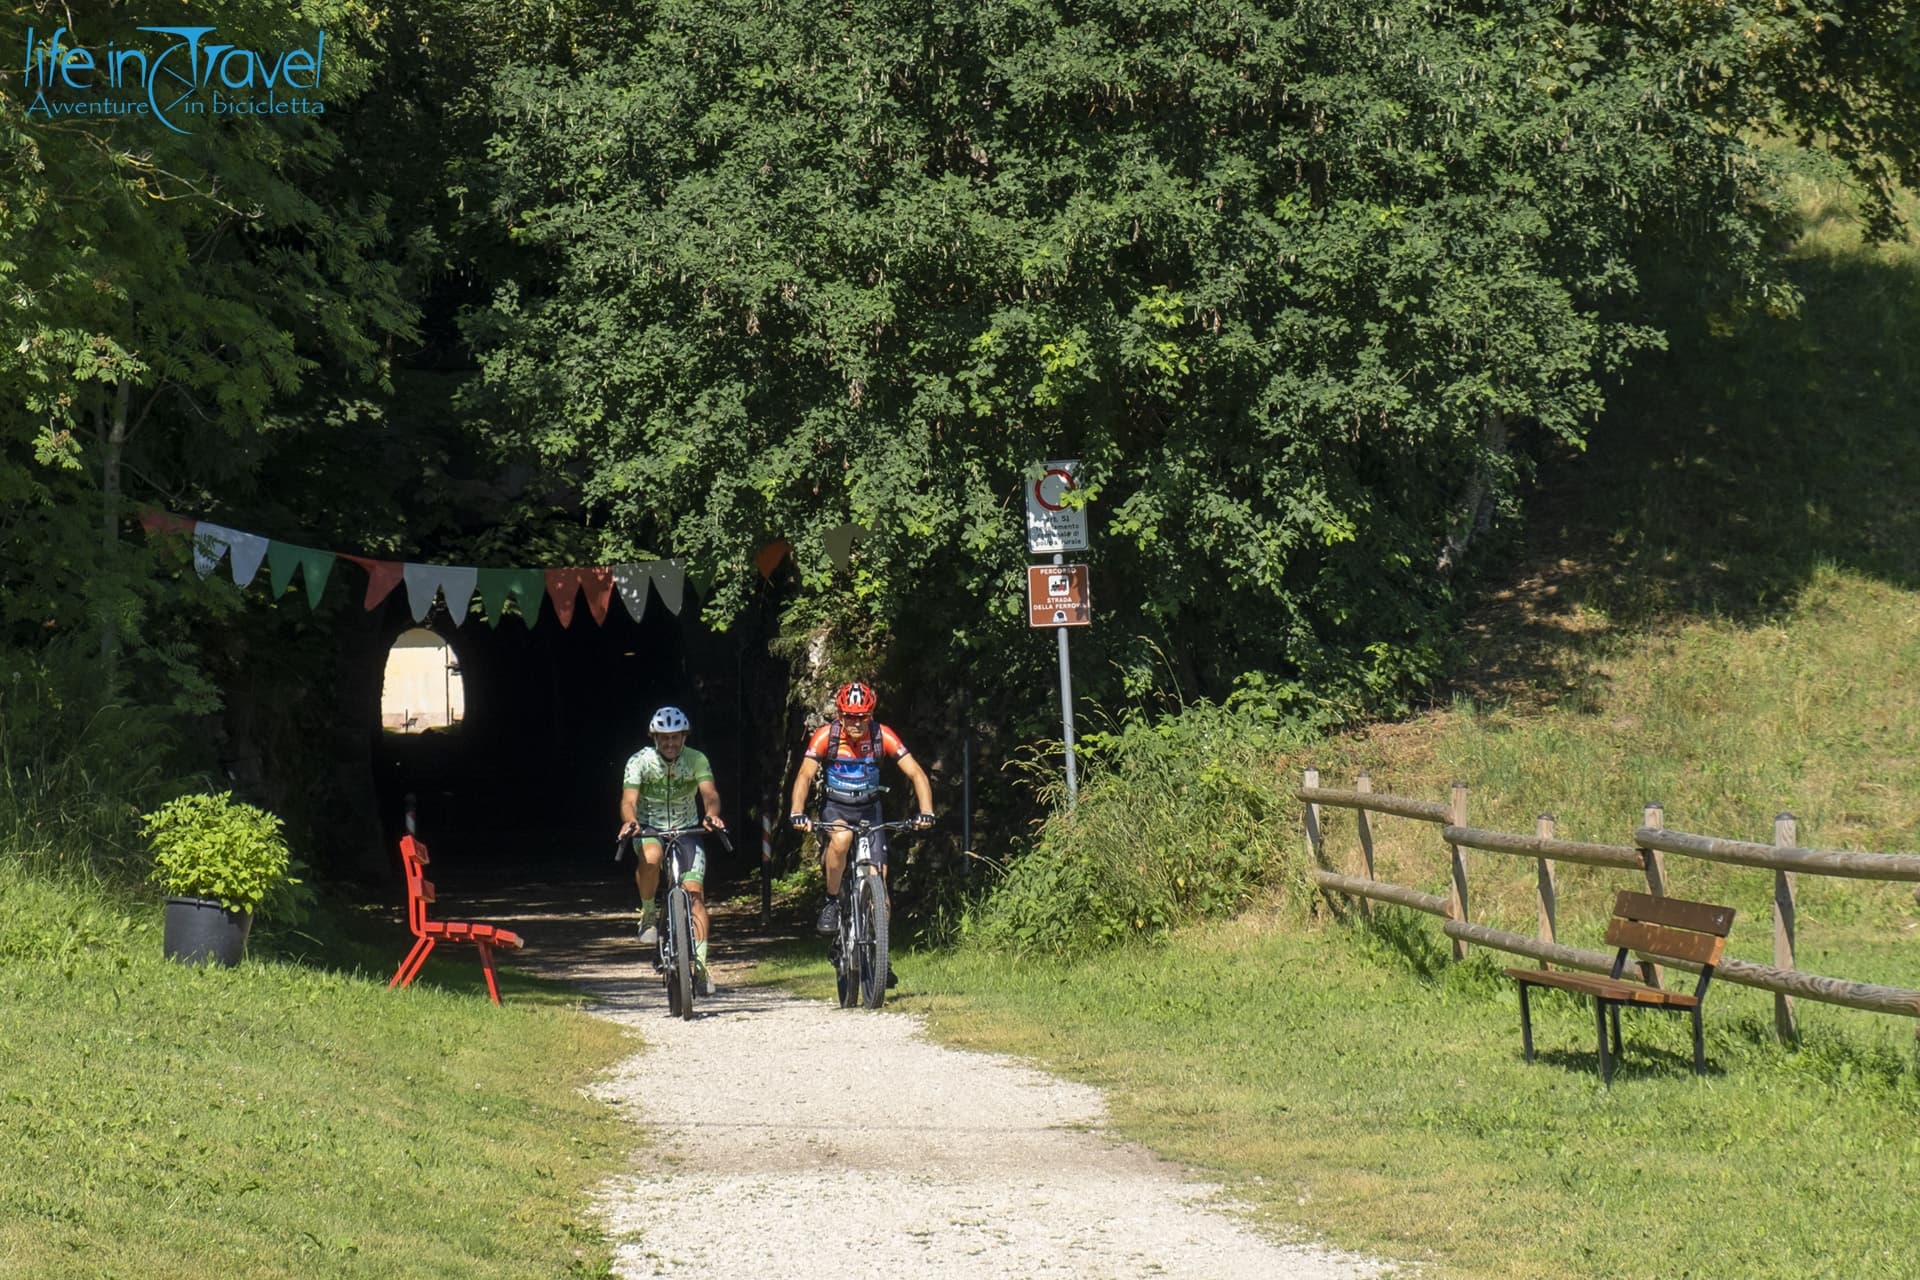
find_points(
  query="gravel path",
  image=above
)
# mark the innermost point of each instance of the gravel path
(794, 1139)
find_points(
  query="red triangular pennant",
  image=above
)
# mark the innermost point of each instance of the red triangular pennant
(598, 584)
(562, 586)
(156, 521)
(382, 577)
(769, 557)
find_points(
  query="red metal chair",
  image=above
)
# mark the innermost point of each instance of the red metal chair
(426, 933)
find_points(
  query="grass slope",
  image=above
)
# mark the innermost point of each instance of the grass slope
(281, 1119)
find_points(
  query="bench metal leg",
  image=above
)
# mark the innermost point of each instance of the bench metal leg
(1600, 1023)
(416, 959)
(486, 963)
(400, 974)
(1526, 1024)
(1615, 1011)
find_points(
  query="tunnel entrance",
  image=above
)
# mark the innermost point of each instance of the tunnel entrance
(524, 786)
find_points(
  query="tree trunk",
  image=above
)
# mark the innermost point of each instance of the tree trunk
(1475, 509)
(116, 446)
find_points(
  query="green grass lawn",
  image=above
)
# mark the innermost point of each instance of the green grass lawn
(283, 1119)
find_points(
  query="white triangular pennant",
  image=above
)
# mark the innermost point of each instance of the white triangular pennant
(632, 581)
(453, 582)
(456, 588)
(210, 543)
(670, 580)
(247, 551)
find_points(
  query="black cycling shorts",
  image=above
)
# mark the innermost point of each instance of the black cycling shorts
(852, 814)
(690, 854)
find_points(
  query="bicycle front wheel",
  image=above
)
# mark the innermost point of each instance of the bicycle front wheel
(871, 946)
(847, 959)
(680, 977)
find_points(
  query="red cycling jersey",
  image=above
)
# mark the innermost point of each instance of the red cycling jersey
(853, 774)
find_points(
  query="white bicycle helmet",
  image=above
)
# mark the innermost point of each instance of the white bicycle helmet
(669, 720)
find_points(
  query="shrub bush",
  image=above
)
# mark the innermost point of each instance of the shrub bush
(1181, 819)
(212, 846)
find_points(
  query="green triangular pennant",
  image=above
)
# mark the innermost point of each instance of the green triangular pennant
(314, 566)
(839, 542)
(522, 584)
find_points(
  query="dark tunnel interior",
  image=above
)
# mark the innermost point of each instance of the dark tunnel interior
(526, 786)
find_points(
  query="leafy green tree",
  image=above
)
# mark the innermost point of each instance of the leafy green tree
(172, 293)
(1303, 284)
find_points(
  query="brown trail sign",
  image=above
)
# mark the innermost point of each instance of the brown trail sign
(1057, 596)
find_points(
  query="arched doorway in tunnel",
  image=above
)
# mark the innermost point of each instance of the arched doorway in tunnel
(423, 687)
(525, 786)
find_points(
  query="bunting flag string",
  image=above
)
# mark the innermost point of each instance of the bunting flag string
(457, 585)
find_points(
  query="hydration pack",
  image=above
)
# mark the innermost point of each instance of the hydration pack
(837, 791)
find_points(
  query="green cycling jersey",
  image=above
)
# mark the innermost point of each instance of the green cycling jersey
(669, 790)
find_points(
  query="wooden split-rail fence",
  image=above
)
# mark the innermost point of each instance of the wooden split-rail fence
(1646, 856)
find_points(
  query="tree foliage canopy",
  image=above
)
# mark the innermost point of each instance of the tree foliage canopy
(1303, 285)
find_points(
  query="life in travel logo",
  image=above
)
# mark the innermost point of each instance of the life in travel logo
(178, 76)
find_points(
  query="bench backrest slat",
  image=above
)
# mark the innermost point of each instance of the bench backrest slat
(1678, 913)
(413, 856)
(1664, 943)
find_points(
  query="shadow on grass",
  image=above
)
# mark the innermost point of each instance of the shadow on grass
(1401, 937)
(1729, 469)
(368, 940)
(1637, 1061)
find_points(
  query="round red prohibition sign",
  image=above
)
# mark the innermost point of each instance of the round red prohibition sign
(1055, 481)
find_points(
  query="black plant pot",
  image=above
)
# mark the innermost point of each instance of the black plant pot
(200, 929)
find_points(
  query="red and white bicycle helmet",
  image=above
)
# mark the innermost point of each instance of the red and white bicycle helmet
(855, 699)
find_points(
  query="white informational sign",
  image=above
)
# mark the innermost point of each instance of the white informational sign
(1052, 525)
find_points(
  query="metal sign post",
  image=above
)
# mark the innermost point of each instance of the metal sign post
(1066, 712)
(1057, 594)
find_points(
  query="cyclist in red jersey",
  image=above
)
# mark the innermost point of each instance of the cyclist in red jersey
(850, 750)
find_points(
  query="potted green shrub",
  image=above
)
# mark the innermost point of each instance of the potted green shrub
(217, 860)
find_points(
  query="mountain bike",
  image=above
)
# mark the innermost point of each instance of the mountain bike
(859, 952)
(674, 959)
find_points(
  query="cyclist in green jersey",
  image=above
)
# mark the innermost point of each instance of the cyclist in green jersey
(669, 784)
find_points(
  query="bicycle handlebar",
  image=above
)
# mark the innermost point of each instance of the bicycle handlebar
(901, 824)
(672, 834)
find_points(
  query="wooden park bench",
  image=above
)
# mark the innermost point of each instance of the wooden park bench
(1658, 929)
(427, 932)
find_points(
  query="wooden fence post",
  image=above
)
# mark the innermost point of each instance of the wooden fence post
(1316, 847)
(1543, 828)
(1364, 785)
(1457, 909)
(1655, 863)
(1655, 816)
(1785, 835)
